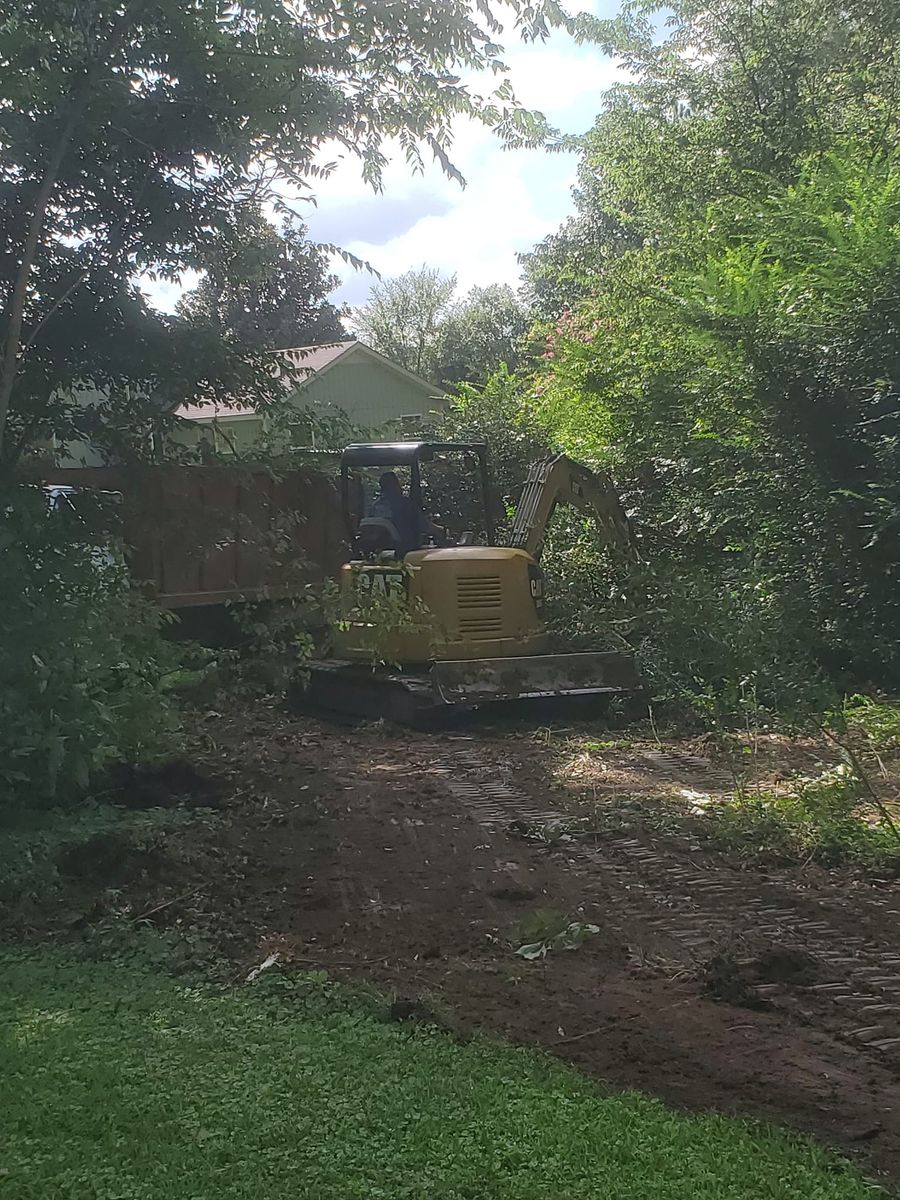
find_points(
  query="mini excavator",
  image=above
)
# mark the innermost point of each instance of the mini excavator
(484, 640)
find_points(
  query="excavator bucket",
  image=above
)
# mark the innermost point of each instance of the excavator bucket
(427, 696)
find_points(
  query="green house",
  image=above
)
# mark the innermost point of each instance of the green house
(348, 381)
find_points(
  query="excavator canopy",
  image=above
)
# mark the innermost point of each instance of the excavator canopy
(384, 455)
(404, 454)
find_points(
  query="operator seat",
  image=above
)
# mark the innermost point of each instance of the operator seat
(376, 535)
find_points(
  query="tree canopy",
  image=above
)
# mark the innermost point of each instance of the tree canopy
(403, 316)
(134, 135)
(482, 331)
(414, 320)
(720, 321)
(268, 287)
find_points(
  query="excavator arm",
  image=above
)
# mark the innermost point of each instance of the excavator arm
(561, 480)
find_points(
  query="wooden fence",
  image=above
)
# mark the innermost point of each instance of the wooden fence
(206, 535)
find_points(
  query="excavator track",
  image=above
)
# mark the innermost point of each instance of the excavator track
(441, 693)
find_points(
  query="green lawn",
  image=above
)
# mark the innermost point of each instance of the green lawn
(123, 1085)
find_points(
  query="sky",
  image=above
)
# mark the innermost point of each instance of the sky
(512, 198)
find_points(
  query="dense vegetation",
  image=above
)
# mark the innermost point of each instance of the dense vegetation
(719, 325)
(81, 660)
(266, 286)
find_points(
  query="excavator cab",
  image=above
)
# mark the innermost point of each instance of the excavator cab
(448, 482)
(459, 624)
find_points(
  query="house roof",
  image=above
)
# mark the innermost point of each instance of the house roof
(313, 361)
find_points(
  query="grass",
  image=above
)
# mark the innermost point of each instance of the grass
(120, 1085)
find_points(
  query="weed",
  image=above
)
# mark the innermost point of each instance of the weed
(545, 931)
(879, 721)
(828, 819)
(381, 621)
(81, 656)
(548, 833)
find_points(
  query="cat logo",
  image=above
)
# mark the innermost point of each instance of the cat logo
(381, 584)
(536, 585)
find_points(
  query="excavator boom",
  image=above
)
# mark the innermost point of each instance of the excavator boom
(561, 480)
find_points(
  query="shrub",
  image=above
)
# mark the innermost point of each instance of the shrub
(81, 657)
(719, 634)
(94, 846)
(713, 644)
(878, 721)
(826, 820)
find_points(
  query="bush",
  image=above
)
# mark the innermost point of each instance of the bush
(81, 657)
(878, 721)
(711, 644)
(718, 635)
(826, 820)
(95, 846)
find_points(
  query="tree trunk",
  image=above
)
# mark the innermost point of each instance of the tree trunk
(16, 312)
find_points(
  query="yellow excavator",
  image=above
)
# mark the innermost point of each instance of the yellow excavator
(457, 626)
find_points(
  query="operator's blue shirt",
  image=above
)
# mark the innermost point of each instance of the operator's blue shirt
(404, 516)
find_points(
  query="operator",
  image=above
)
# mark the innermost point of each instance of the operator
(391, 504)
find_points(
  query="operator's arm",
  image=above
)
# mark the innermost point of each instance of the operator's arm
(427, 527)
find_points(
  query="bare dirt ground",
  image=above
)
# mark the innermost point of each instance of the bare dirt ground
(416, 862)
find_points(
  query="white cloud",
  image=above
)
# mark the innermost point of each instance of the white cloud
(512, 200)
(485, 225)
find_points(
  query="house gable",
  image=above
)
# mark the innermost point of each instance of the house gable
(355, 351)
(341, 378)
(370, 390)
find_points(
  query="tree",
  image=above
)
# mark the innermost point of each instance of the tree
(135, 134)
(268, 288)
(481, 333)
(403, 316)
(414, 321)
(737, 94)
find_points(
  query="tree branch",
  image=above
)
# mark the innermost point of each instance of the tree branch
(78, 102)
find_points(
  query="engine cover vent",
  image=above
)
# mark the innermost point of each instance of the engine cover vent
(479, 591)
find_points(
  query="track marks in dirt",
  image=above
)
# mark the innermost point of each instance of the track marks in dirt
(398, 857)
(689, 911)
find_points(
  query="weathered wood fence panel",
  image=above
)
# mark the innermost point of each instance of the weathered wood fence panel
(205, 535)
